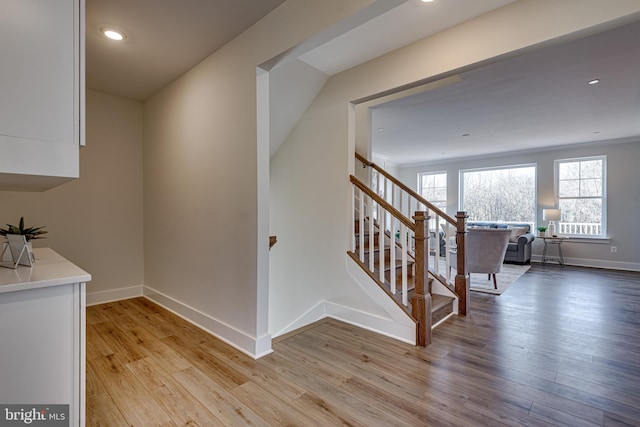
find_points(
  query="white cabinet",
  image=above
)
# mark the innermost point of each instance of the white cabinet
(42, 331)
(42, 87)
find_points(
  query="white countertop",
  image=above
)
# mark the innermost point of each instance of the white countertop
(50, 269)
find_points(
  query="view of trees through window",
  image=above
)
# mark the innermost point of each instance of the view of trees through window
(580, 192)
(505, 194)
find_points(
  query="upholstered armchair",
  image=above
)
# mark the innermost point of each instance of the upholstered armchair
(448, 235)
(485, 249)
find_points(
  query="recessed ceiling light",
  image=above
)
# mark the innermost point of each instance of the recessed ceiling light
(427, 1)
(466, 134)
(113, 33)
(594, 81)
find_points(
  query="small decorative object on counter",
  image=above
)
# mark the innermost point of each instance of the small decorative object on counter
(542, 231)
(19, 244)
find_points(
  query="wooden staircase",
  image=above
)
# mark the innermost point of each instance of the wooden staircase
(406, 262)
(442, 306)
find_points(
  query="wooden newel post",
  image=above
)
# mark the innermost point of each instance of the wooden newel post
(462, 277)
(421, 300)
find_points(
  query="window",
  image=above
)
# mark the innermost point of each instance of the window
(433, 187)
(580, 190)
(499, 194)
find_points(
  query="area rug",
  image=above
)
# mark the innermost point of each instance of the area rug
(509, 274)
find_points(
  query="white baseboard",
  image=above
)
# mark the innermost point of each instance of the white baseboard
(593, 263)
(251, 346)
(102, 297)
(315, 313)
(327, 309)
(396, 324)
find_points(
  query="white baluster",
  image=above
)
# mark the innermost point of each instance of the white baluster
(382, 215)
(392, 258)
(405, 261)
(361, 226)
(353, 218)
(394, 197)
(371, 235)
(436, 244)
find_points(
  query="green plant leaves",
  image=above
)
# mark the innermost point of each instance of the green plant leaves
(31, 233)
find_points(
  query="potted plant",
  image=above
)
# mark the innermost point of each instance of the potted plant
(541, 231)
(19, 237)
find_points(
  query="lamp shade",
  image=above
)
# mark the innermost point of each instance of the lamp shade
(551, 214)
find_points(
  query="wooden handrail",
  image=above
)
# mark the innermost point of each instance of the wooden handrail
(383, 203)
(408, 190)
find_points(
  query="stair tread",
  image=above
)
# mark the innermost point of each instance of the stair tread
(375, 248)
(438, 301)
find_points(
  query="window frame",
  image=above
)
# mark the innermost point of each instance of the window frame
(446, 187)
(603, 197)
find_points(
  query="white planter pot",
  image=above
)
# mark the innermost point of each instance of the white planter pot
(21, 250)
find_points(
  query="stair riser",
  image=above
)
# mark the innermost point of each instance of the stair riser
(398, 267)
(387, 255)
(441, 313)
(376, 240)
(387, 274)
(387, 258)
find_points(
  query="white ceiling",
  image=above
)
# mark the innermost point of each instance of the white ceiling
(165, 38)
(532, 101)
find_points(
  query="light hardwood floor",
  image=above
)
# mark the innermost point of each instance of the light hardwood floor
(560, 347)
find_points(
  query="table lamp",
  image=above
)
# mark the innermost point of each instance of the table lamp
(551, 215)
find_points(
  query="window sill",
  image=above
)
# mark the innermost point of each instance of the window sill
(590, 239)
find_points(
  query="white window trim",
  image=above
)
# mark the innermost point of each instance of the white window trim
(603, 229)
(419, 185)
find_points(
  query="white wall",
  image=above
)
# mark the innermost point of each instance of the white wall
(291, 89)
(201, 178)
(623, 196)
(96, 220)
(309, 174)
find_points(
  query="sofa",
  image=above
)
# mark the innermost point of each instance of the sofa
(519, 249)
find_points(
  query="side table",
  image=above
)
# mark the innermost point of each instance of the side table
(548, 241)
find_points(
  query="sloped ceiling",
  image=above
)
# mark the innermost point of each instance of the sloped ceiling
(165, 38)
(381, 29)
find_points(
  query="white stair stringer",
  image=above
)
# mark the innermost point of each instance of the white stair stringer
(398, 325)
